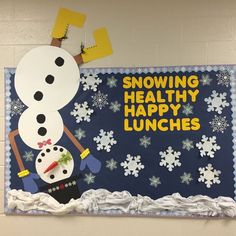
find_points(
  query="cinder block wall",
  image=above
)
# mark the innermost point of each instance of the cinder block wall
(143, 33)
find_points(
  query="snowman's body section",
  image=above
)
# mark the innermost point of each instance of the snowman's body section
(47, 78)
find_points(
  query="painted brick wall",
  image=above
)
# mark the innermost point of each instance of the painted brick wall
(143, 33)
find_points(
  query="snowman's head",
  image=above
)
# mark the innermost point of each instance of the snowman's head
(50, 155)
(47, 78)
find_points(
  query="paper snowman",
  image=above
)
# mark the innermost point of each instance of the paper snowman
(46, 79)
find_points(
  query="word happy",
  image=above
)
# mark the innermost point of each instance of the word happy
(150, 100)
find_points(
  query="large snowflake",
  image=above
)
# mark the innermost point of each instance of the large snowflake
(187, 109)
(187, 144)
(170, 158)
(16, 107)
(154, 181)
(205, 80)
(186, 178)
(209, 175)
(223, 78)
(208, 146)
(112, 82)
(145, 141)
(99, 100)
(81, 112)
(216, 102)
(115, 106)
(105, 140)
(90, 81)
(79, 134)
(132, 165)
(219, 124)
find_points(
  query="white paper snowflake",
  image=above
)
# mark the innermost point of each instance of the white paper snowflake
(208, 146)
(219, 124)
(223, 78)
(145, 141)
(216, 102)
(209, 175)
(99, 100)
(111, 164)
(81, 112)
(186, 178)
(154, 181)
(89, 178)
(79, 134)
(115, 106)
(28, 156)
(187, 144)
(187, 109)
(16, 107)
(170, 158)
(105, 140)
(112, 82)
(205, 80)
(132, 165)
(90, 81)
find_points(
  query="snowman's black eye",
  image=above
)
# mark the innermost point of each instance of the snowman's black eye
(38, 96)
(40, 118)
(59, 61)
(49, 79)
(42, 131)
(64, 171)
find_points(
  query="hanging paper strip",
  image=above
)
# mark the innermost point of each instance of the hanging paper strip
(141, 141)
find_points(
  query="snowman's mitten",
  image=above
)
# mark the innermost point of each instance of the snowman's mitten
(29, 181)
(90, 161)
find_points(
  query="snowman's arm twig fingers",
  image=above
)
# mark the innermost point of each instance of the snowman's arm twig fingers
(15, 149)
(56, 42)
(73, 139)
(79, 59)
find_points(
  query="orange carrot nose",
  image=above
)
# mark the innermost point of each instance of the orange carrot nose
(51, 166)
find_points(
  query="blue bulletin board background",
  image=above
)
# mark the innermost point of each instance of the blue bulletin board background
(113, 179)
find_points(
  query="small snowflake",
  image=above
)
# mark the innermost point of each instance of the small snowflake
(209, 175)
(115, 106)
(99, 100)
(111, 164)
(187, 144)
(79, 134)
(105, 140)
(208, 146)
(132, 165)
(186, 178)
(112, 82)
(89, 178)
(154, 181)
(205, 80)
(170, 158)
(187, 109)
(216, 102)
(28, 156)
(81, 112)
(219, 124)
(223, 78)
(16, 107)
(90, 81)
(145, 141)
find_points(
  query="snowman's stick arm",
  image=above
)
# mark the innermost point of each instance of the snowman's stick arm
(74, 140)
(15, 149)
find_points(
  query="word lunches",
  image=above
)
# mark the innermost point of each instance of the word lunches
(154, 103)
